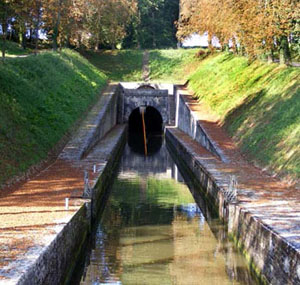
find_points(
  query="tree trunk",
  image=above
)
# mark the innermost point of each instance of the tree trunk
(68, 42)
(3, 50)
(209, 40)
(153, 31)
(4, 25)
(78, 44)
(54, 38)
(234, 46)
(24, 40)
(56, 27)
(285, 55)
(97, 43)
(37, 26)
(271, 56)
(30, 35)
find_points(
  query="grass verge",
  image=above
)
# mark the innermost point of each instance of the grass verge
(40, 98)
(118, 65)
(172, 65)
(258, 104)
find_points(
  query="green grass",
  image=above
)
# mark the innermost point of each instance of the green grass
(13, 49)
(40, 98)
(172, 65)
(118, 65)
(259, 105)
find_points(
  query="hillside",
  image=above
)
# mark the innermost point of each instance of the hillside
(42, 96)
(40, 99)
(172, 65)
(118, 65)
(13, 49)
(258, 104)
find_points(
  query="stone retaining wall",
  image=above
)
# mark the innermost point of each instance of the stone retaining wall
(56, 263)
(106, 119)
(59, 256)
(271, 256)
(188, 123)
(56, 260)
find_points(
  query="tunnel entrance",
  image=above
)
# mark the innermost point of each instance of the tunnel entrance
(154, 130)
(146, 87)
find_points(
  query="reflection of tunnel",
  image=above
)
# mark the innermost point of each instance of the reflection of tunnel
(154, 129)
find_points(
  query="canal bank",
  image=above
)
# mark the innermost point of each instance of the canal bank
(41, 238)
(262, 212)
(152, 230)
(45, 222)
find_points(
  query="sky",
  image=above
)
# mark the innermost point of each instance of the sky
(199, 40)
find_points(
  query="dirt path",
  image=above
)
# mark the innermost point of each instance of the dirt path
(276, 202)
(146, 68)
(267, 210)
(32, 213)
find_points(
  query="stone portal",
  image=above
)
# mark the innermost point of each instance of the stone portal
(131, 99)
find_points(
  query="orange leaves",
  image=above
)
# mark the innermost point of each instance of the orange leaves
(254, 23)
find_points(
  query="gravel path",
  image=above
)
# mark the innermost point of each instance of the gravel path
(146, 68)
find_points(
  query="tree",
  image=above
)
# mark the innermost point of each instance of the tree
(102, 24)
(259, 26)
(153, 25)
(6, 12)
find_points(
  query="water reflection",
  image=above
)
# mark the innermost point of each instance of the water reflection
(136, 143)
(153, 232)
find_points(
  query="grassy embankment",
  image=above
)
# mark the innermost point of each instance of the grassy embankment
(118, 65)
(257, 103)
(172, 65)
(40, 99)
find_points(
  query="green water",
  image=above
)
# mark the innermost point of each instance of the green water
(152, 232)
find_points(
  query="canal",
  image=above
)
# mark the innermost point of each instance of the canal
(152, 230)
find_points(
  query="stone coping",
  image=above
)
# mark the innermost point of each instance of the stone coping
(264, 218)
(146, 92)
(39, 235)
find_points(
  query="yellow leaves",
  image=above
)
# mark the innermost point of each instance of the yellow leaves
(255, 23)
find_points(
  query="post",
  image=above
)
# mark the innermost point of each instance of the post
(142, 110)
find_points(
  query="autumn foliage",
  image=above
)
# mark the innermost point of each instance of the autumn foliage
(251, 27)
(68, 22)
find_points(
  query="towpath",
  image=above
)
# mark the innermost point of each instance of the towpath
(34, 213)
(146, 67)
(272, 203)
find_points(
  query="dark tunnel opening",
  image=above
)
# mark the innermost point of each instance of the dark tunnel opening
(146, 87)
(154, 130)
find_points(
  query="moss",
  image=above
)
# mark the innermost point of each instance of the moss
(79, 251)
(256, 272)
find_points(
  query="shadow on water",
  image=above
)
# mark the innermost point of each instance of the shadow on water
(153, 232)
